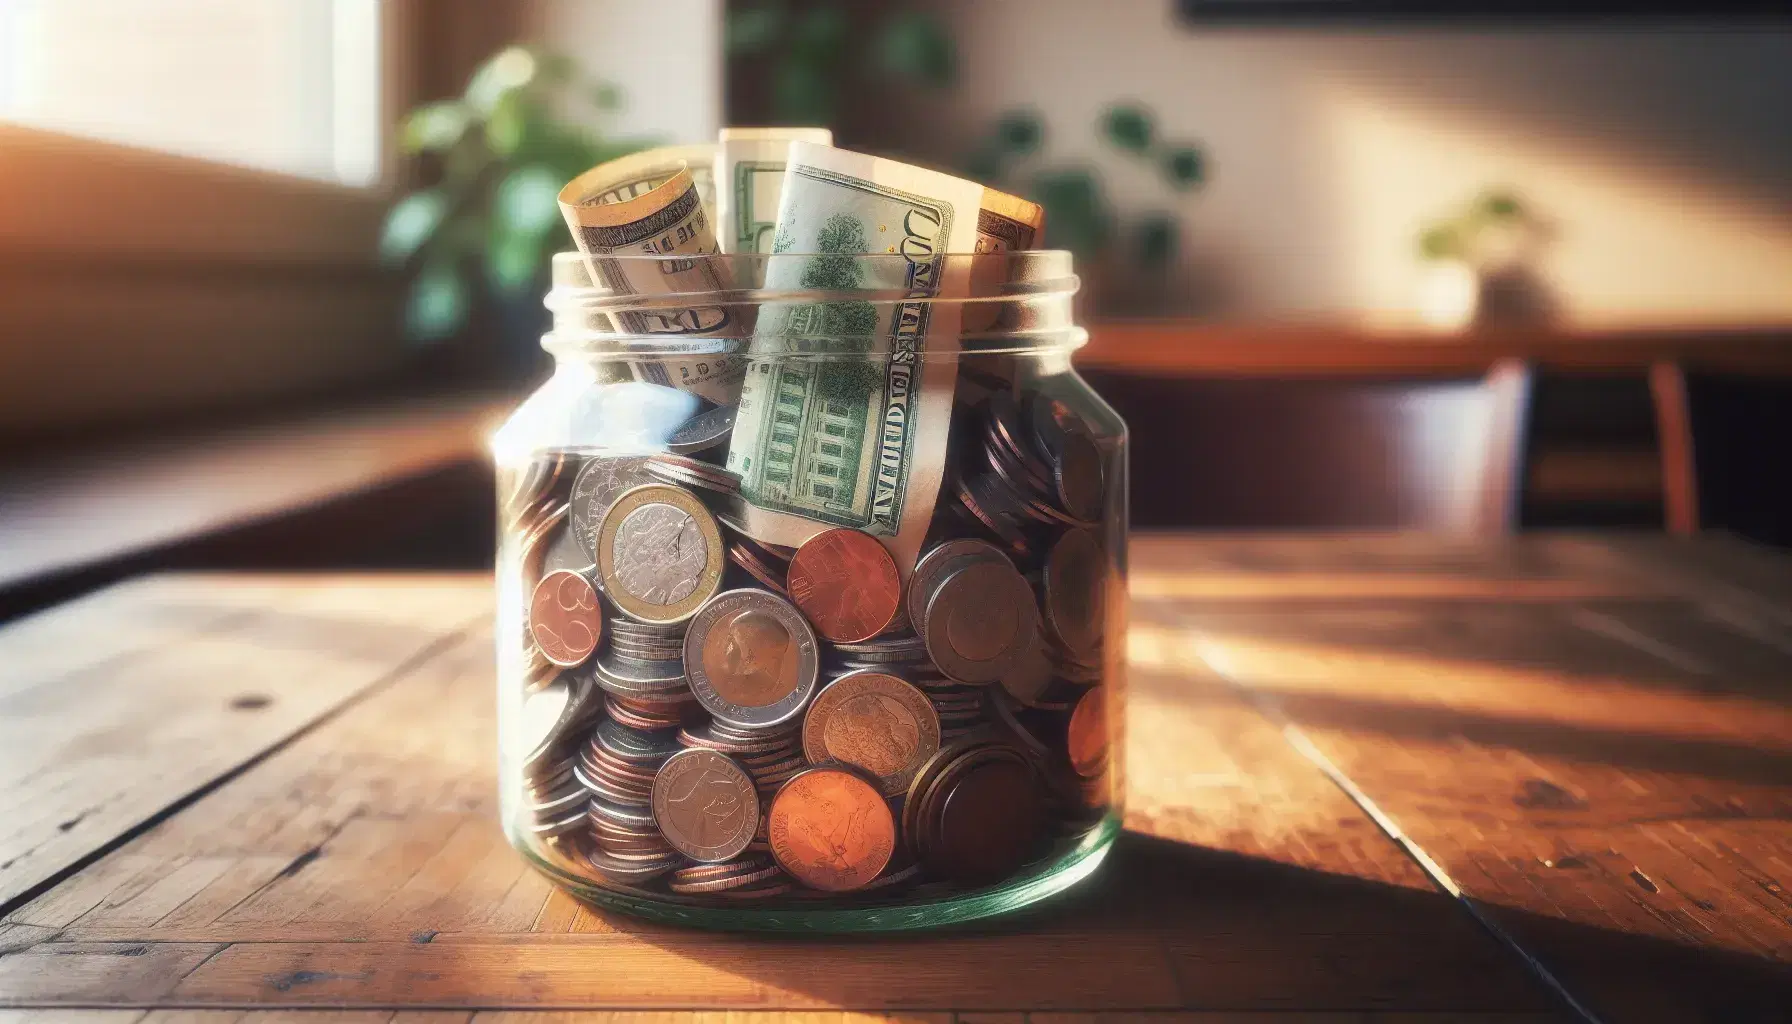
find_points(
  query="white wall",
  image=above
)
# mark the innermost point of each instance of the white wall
(1663, 156)
(665, 54)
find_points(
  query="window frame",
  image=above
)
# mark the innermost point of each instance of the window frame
(231, 287)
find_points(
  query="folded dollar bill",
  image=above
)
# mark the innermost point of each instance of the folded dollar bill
(822, 441)
(749, 176)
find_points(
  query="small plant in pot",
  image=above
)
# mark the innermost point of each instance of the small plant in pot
(1477, 267)
(477, 242)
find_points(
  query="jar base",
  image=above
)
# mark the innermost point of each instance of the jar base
(1039, 882)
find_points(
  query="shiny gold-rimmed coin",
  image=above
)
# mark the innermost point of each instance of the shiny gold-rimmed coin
(751, 659)
(659, 553)
(705, 805)
(831, 829)
(875, 721)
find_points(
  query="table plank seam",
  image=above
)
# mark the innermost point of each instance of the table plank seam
(1297, 738)
(434, 648)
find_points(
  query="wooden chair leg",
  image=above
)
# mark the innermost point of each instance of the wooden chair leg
(1673, 431)
(1508, 383)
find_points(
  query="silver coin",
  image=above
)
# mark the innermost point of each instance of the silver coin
(596, 488)
(980, 620)
(660, 554)
(550, 715)
(703, 431)
(565, 552)
(752, 659)
(705, 804)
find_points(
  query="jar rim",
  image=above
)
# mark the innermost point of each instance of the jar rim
(851, 305)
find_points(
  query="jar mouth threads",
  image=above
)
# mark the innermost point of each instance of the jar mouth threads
(998, 302)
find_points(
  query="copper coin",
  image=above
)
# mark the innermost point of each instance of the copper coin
(846, 583)
(989, 821)
(832, 830)
(1088, 736)
(875, 721)
(705, 805)
(564, 618)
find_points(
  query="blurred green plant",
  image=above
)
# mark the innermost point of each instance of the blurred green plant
(1078, 214)
(499, 155)
(812, 46)
(1465, 236)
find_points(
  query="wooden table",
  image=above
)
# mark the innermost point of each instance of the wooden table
(1370, 778)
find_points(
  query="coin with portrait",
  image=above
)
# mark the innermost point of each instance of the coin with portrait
(751, 658)
(876, 721)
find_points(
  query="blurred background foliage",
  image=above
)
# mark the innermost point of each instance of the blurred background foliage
(817, 54)
(488, 223)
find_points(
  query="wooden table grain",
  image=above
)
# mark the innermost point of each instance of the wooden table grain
(1370, 778)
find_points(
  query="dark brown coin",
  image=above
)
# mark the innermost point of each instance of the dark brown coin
(1081, 480)
(564, 618)
(846, 584)
(1088, 734)
(832, 830)
(1076, 593)
(989, 821)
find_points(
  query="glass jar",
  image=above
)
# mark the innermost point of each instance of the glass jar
(810, 599)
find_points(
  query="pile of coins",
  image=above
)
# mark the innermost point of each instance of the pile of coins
(707, 715)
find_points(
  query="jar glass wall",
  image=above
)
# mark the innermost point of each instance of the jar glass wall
(811, 597)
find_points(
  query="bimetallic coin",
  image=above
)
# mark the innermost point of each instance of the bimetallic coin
(659, 553)
(980, 620)
(875, 721)
(1087, 742)
(596, 488)
(705, 804)
(751, 659)
(564, 618)
(1075, 592)
(831, 830)
(846, 583)
(931, 568)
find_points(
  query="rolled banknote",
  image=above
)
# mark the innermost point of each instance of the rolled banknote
(826, 442)
(749, 176)
(629, 176)
(613, 213)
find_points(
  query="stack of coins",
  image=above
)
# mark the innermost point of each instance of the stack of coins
(617, 767)
(973, 812)
(552, 718)
(826, 727)
(765, 565)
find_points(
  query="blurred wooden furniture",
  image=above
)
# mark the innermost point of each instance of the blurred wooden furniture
(1370, 777)
(1316, 364)
(1435, 454)
(95, 506)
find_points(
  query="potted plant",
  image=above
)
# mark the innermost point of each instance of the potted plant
(477, 241)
